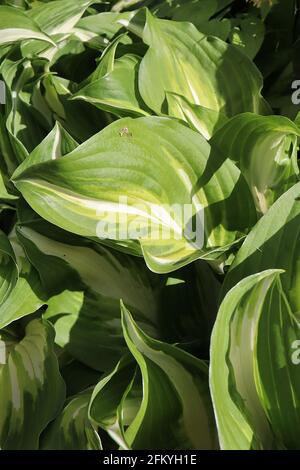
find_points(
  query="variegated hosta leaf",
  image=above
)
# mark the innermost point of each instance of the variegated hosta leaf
(277, 368)
(4, 194)
(25, 298)
(25, 124)
(201, 119)
(121, 188)
(265, 150)
(58, 16)
(109, 405)
(88, 327)
(9, 161)
(197, 12)
(57, 19)
(105, 23)
(112, 85)
(189, 10)
(56, 144)
(175, 412)
(206, 15)
(26, 295)
(89, 281)
(240, 418)
(273, 243)
(8, 268)
(101, 270)
(108, 60)
(72, 429)
(79, 119)
(116, 91)
(254, 382)
(81, 264)
(203, 69)
(16, 25)
(15, 73)
(32, 391)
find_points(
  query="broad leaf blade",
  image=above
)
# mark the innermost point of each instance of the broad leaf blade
(116, 91)
(277, 367)
(273, 243)
(59, 16)
(32, 390)
(175, 412)
(17, 26)
(136, 190)
(253, 362)
(197, 67)
(204, 120)
(265, 149)
(241, 422)
(106, 406)
(72, 429)
(8, 268)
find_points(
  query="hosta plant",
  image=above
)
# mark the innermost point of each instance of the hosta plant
(149, 225)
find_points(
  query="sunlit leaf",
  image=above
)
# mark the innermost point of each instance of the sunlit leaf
(90, 184)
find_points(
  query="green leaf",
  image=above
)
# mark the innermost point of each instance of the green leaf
(206, 15)
(108, 401)
(273, 244)
(260, 408)
(24, 299)
(197, 12)
(107, 62)
(4, 194)
(26, 295)
(79, 119)
(78, 263)
(8, 268)
(277, 368)
(84, 188)
(32, 390)
(56, 144)
(265, 149)
(241, 421)
(198, 67)
(188, 10)
(175, 412)
(59, 16)
(25, 124)
(216, 27)
(9, 161)
(17, 26)
(72, 429)
(87, 282)
(116, 90)
(105, 23)
(88, 327)
(204, 120)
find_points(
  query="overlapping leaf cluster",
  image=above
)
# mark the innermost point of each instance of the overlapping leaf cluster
(145, 342)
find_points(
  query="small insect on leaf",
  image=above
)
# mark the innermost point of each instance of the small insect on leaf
(125, 132)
